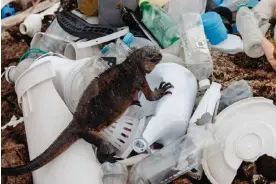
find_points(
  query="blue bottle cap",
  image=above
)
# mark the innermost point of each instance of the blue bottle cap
(105, 49)
(128, 39)
(7, 11)
(214, 28)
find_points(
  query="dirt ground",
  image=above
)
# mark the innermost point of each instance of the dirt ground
(227, 69)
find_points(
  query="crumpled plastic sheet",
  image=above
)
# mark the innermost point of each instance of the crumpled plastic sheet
(235, 92)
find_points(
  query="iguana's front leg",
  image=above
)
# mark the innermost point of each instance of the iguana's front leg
(157, 93)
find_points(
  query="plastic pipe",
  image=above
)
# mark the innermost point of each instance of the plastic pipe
(33, 23)
(72, 51)
(172, 112)
(45, 117)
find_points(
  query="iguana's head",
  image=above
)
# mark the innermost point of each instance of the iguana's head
(146, 58)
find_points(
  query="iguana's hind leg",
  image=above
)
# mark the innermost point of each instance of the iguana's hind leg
(105, 151)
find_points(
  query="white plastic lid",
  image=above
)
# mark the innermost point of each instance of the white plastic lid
(242, 132)
(204, 84)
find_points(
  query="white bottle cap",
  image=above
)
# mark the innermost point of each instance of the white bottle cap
(204, 84)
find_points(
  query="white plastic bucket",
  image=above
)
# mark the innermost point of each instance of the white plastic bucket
(45, 117)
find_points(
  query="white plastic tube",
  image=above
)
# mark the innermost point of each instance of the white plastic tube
(45, 117)
(172, 112)
(72, 51)
(33, 23)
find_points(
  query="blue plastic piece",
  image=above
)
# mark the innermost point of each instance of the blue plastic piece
(7, 11)
(105, 49)
(214, 28)
(128, 38)
(217, 2)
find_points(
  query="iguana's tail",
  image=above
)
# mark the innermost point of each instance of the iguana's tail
(62, 143)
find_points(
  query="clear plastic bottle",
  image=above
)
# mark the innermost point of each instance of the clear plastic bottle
(159, 23)
(118, 50)
(116, 173)
(137, 42)
(160, 167)
(197, 56)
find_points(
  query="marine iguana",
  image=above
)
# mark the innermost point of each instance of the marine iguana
(104, 100)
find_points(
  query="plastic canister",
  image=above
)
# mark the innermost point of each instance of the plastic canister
(214, 28)
(172, 112)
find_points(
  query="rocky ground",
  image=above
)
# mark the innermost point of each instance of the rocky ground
(227, 69)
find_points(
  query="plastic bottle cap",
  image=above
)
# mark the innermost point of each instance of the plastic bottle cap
(128, 39)
(105, 49)
(204, 84)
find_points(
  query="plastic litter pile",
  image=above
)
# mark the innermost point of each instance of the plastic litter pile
(200, 128)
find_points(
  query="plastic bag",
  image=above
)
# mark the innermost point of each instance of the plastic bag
(235, 92)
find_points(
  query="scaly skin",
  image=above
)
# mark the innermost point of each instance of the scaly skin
(113, 92)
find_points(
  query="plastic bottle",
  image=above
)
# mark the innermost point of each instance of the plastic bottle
(118, 50)
(196, 53)
(160, 167)
(137, 42)
(163, 28)
(116, 173)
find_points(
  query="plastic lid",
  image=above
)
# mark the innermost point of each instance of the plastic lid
(204, 84)
(128, 39)
(105, 49)
(242, 132)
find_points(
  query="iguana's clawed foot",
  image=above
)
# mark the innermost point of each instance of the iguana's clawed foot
(106, 153)
(136, 102)
(162, 90)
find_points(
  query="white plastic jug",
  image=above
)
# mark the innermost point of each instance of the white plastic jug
(172, 112)
(45, 117)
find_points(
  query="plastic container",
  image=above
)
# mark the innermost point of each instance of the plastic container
(109, 14)
(45, 117)
(136, 42)
(214, 28)
(172, 112)
(251, 33)
(163, 28)
(116, 173)
(123, 132)
(177, 7)
(7, 11)
(158, 166)
(264, 11)
(242, 132)
(33, 23)
(196, 53)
